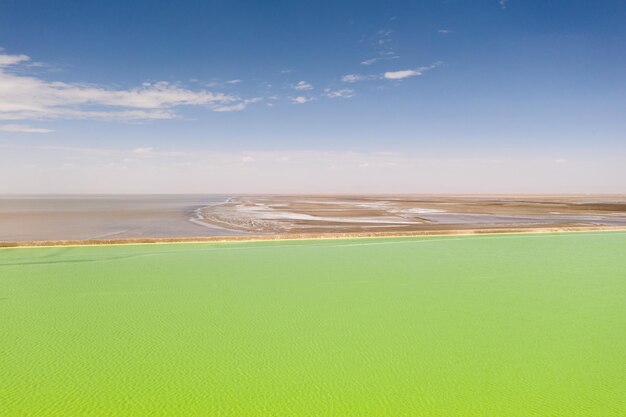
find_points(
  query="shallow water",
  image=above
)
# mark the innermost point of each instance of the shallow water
(474, 326)
(24, 218)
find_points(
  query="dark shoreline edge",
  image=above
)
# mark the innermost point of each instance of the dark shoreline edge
(312, 236)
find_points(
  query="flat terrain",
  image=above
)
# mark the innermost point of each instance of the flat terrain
(29, 220)
(492, 325)
(87, 217)
(300, 214)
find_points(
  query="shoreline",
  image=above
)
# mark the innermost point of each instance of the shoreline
(311, 215)
(198, 218)
(302, 236)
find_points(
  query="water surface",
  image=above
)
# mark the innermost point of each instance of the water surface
(25, 218)
(474, 326)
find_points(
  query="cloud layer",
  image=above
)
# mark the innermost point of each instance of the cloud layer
(399, 75)
(301, 99)
(303, 86)
(389, 75)
(23, 129)
(29, 97)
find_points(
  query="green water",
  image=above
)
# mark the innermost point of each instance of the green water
(519, 326)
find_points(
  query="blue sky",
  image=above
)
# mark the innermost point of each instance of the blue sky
(324, 96)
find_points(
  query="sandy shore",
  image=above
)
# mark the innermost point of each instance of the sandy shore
(349, 214)
(309, 236)
(249, 218)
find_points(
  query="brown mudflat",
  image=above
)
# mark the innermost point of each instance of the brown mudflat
(317, 216)
(291, 214)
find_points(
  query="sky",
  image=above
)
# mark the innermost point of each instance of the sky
(233, 96)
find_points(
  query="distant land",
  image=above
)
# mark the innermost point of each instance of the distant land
(114, 218)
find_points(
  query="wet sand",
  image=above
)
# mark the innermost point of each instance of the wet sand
(73, 220)
(349, 214)
(49, 218)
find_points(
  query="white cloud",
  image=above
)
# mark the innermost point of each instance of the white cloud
(370, 61)
(233, 81)
(389, 75)
(29, 97)
(444, 31)
(353, 78)
(382, 56)
(342, 93)
(237, 107)
(24, 129)
(234, 107)
(301, 99)
(502, 3)
(302, 86)
(6, 60)
(398, 75)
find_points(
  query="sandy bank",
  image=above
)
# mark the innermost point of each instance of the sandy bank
(312, 236)
(349, 214)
